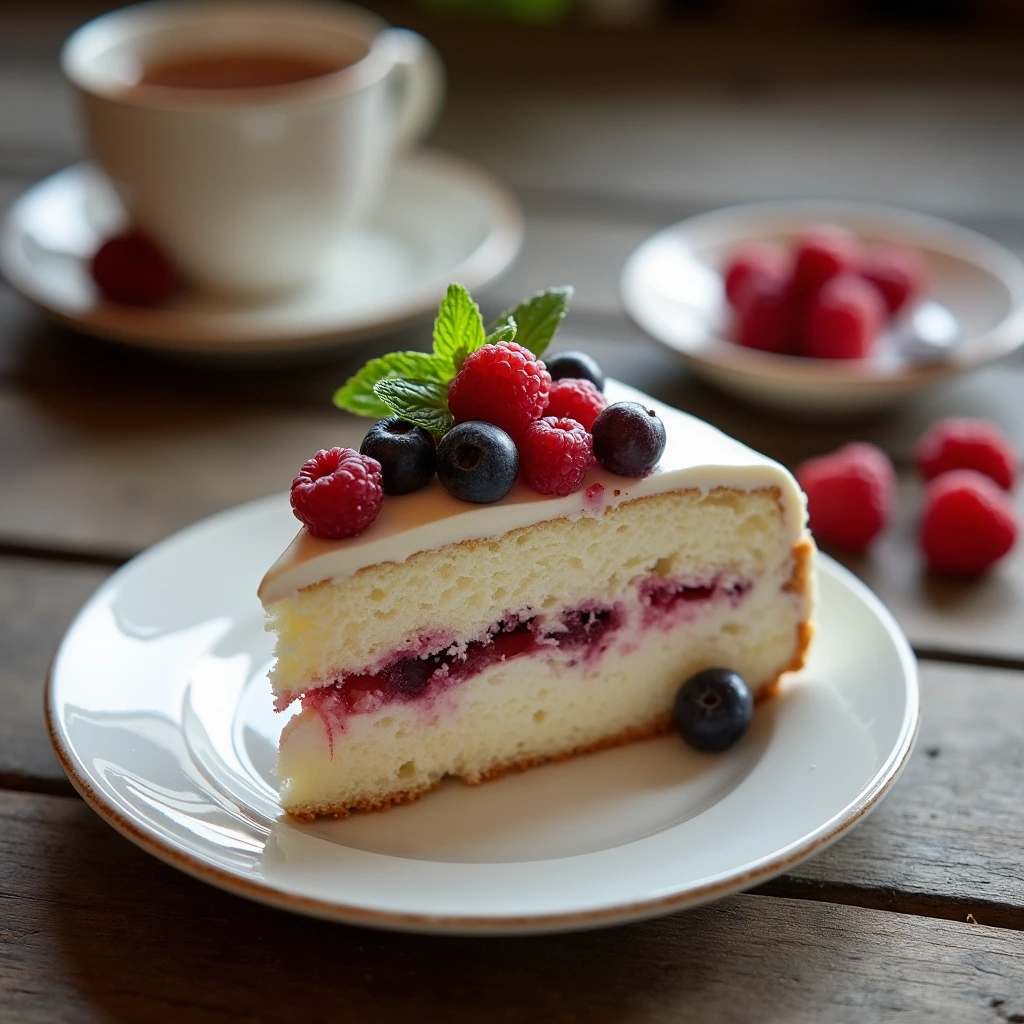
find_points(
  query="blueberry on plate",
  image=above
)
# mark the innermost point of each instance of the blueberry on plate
(575, 364)
(629, 439)
(713, 709)
(406, 453)
(477, 461)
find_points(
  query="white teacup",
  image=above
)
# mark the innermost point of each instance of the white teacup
(248, 188)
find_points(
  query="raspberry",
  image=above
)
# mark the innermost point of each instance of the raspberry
(556, 454)
(822, 252)
(575, 399)
(504, 384)
(754, 261)
(844, 320)
(897, 272)
(968, 523)
(337, 493)
(967, 444)
(132, 270)
(766, 320)
(849, 494)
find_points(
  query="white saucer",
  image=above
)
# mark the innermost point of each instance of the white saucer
(160, 712)
(441, 220)
(672, 287)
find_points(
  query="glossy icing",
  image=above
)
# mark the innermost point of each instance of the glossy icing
(696, 455)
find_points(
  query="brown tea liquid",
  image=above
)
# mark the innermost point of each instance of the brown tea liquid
(237, 70)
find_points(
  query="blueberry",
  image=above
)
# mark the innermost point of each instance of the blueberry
(410, 676)
(406, 453)
(575, 364)
(629, 439)
(713, 709)
(477, 461)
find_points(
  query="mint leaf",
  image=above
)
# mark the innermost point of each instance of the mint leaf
(458, 329)
(537, 318)
(423, 402)
(502, 332)
(357, 395)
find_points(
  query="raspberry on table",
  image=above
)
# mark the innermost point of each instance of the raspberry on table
(822, 252)
(504, 384)
(844, 319)
(337, 493)
(766, 321)
(849, 494)
(575, 399)
(897, 271)
(753, 261)
(966, 443)
(132, 270)
(555, 454)
(968, 523)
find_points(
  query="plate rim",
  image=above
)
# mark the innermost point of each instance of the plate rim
(869, 796)
(769, 369)
(492, 257)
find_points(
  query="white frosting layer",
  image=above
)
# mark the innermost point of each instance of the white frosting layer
(696, 455)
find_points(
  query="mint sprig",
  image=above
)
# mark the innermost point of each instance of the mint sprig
(423, 402)
(502, 330)
(414, 385)
(458, 328)
(538, 317)
(358, 395)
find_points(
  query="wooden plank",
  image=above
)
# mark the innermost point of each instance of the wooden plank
(112, 473)
(711, 146)
(947, 840)
(94, 929)
(37, 118)
(37, 601)
(888, 142)
(665, 49)
(582, 251)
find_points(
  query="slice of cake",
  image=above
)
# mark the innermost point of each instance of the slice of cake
(461, 639)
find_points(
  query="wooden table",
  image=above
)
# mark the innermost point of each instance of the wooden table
(918, 914)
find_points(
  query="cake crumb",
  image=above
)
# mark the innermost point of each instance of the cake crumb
(970, 919)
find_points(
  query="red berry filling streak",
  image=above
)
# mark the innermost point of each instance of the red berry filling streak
(583, 633)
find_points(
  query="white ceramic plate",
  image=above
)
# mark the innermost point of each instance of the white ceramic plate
(160, 712)
(440, 220)
(672, 287)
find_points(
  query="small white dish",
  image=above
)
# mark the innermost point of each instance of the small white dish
(441, 220)
(672, 287)
(159, 709)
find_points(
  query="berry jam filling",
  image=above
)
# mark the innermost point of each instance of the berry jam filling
(581, 632)
(665, 601)
(407, 678)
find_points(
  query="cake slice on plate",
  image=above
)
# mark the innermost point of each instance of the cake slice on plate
(451, 638)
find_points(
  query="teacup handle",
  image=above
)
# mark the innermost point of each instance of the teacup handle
(420, 75)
